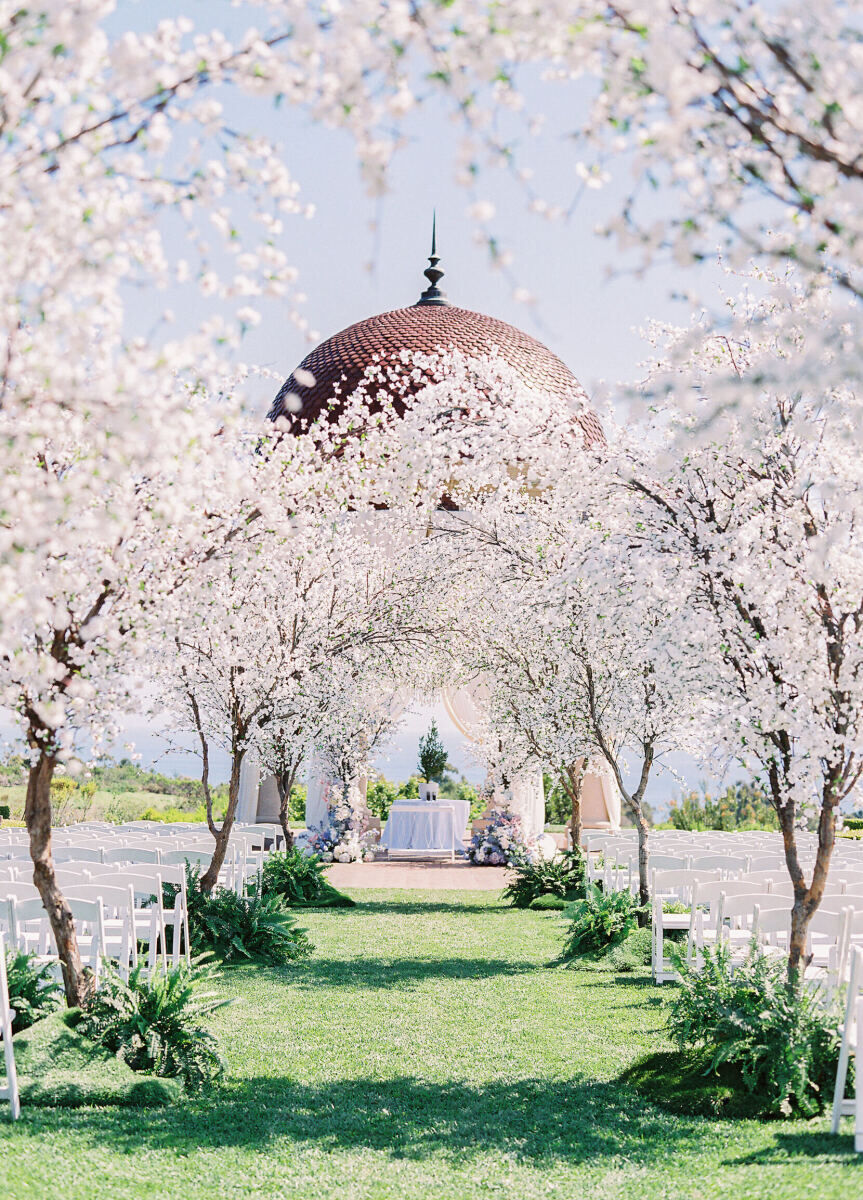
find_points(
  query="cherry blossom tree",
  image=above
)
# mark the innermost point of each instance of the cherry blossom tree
(587, 657)
(764, 522)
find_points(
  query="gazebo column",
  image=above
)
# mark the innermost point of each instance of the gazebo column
(250, 778)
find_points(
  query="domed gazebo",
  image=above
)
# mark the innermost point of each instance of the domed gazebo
(326, 377)
(433, 324)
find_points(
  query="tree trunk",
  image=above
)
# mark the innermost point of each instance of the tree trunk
(209, 878)
(806, 899)
(285, 785)
(37, 815)
(643, 860)
(573, 781)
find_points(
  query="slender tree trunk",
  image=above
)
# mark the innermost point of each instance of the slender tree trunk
(573, 782)
(37, 814)
(643, 859)
(223, 835)
(806, 899)
(285, 785)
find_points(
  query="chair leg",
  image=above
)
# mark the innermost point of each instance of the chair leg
(858, 1116)
(841, 1077)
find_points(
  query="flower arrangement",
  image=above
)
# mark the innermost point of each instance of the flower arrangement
(344, 836)
(501, 843)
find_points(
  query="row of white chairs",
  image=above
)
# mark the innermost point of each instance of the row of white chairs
(114, 913)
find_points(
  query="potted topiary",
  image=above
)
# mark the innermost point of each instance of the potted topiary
(432, 763)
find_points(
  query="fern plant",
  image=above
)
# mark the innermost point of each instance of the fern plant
(300, 880)
(236, 929)
(599, 921)
(560, 876)
(780, 1035)
(33, 990)
(154, 1024)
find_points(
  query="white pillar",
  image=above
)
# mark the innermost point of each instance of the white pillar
(250, 778)
(316, 786)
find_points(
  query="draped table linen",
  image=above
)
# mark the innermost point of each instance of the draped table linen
(428, 829)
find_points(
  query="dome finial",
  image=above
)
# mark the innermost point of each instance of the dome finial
(433, 294)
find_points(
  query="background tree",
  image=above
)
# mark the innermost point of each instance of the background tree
(433, 757)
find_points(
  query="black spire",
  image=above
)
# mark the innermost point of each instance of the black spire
(433, 294)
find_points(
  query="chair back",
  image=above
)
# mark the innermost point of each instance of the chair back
(66, 854)
(727, 863)
(199, 858)
(22, 914)
(666, 862)
(131, 854)
(681, 883)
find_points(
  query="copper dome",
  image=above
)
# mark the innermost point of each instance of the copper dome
(433, 324)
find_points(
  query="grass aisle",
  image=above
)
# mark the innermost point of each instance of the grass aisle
(425, 1051)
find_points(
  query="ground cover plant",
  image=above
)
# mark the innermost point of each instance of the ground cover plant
(357, 1074)
(300, 880)
(156, 1024)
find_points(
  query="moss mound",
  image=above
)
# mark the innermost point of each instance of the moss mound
(57, 1066)
(331, 897)
(683, 1083)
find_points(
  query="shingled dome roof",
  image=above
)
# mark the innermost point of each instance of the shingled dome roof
(431, 325)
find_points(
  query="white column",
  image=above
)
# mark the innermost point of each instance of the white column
(250, 778)
(316, 786)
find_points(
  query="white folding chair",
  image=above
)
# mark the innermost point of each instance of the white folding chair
(656, 862)
(705, 919)
(9, 1091)
(29, 928)
(851, 1044)
(116, 927)
(673, 885)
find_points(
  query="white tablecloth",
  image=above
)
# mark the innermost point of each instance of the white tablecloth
(407, 829)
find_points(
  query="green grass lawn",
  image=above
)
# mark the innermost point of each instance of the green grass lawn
(429, 1049)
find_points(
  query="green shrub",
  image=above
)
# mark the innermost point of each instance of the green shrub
(780, 1036)
(33, 990)
(561, 876)
(853, 823)
(599, 921)
(240, 928)
(300, 880)
(154, 1025)
(5, 812)
(634, 952)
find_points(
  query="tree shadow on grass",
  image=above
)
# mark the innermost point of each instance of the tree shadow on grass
(403, 972)
(414, 908)
(536, 1121)
(793, 1145)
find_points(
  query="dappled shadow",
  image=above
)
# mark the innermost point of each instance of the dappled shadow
(414, 908)
(403, 973)
(532, 1121)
